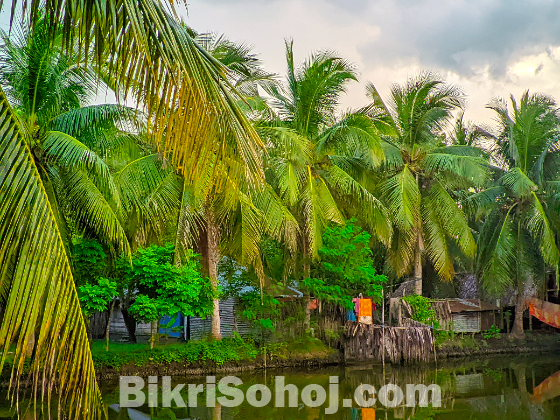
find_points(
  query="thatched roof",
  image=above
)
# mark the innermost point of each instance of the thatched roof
(470, 305)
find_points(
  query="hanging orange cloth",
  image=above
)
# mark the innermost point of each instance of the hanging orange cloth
(368, 414)
(547, 312)
(365, 311)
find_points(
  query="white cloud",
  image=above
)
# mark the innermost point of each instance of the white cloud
(489, 47)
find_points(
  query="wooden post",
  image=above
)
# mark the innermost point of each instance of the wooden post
(383, 350)
(382, 307)
(435, 355)
(383, 331)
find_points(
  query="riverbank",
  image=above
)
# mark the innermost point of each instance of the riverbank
(534, 342)
(204, 357)
(234, 355)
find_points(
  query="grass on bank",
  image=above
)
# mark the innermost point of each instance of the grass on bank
(232, 349)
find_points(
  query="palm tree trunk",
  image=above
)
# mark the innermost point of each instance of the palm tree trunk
(521, 376)
(306, 275)
(418, 265)
(517, 331)
(213, 258)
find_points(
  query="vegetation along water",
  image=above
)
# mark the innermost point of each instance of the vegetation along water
(219, 219)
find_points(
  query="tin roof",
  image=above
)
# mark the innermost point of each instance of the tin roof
(470, 305)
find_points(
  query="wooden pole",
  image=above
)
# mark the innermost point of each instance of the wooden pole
(383, 331)
(382, 307)
(435, 354)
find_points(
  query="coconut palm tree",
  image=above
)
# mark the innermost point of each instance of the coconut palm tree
(49, 92)
(42, 165)
(420, 173)
(225, 216)
(519, 234)
(142, 50)
(223, 213)
(318, 159)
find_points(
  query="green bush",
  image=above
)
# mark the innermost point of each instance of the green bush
(422, 310)
(227, 350)
(493, 332)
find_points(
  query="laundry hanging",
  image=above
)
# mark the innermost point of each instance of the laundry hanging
(368, 414)
(365, 311)
(547, 312)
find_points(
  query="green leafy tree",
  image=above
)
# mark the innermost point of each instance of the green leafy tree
(420, 174)
(154, 287)
(518, 237)
(97, 298)
(346, 267)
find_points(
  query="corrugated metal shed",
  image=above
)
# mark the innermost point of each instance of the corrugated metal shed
(471, 315)
(198, 328)
(467, 322)
(118, 328)
(470, 305)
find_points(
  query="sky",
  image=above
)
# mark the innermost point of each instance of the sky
(490, 48)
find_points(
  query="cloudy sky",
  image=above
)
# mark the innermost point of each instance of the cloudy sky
(488, 47)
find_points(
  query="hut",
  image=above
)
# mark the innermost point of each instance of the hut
(471, 315)
(230, 321)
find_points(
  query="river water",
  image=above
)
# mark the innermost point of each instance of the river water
(497, 388)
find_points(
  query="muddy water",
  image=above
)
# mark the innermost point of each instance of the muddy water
(512, 388)
(490, 388)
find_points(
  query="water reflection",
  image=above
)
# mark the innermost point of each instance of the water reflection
(485, 389)
(548, 389)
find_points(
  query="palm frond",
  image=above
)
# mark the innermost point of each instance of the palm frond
(451, 218)
(184, 90)
(473, 169)
(518, 183)
(353, 134)
(318, 85)
(66, 151)
(138, 178)
(483, 201)
(538, 225)
(318, 208)
(371, 209)
(97, 119)
(435, 239)
(42, 301)
(277, 221)
(90, 208)
(497, 257)
(402, 196)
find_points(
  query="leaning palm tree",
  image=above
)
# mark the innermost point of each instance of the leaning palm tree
(420, 173)
(140, 48)
(317, 160)
(61, 140)
(518, 237)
